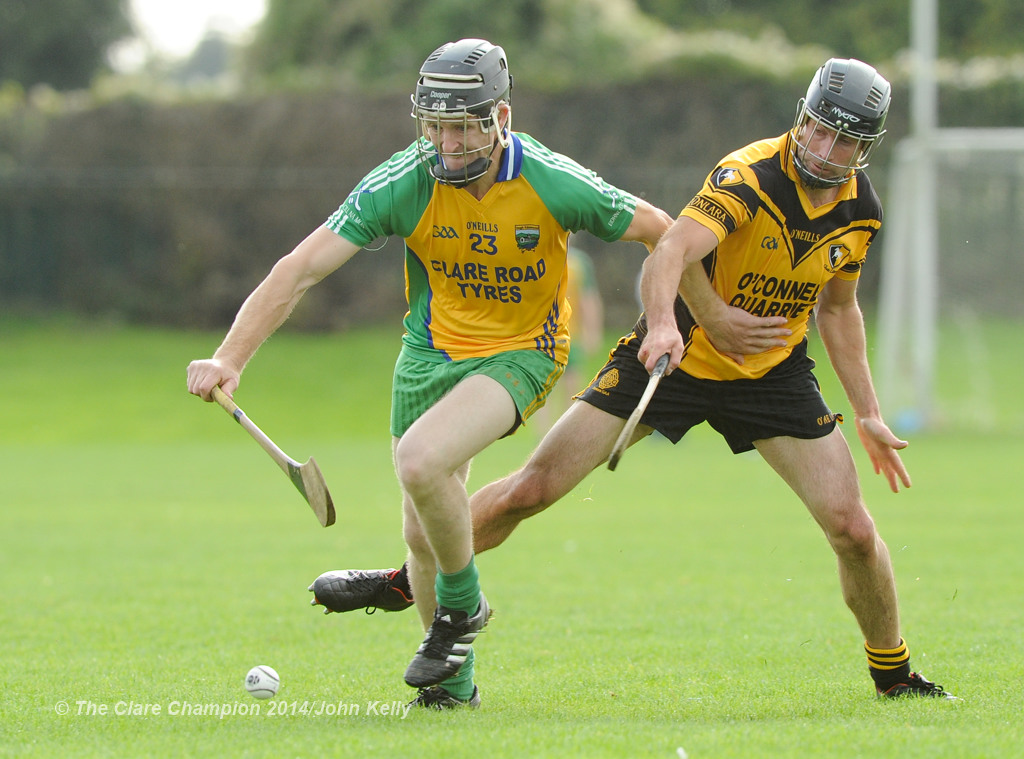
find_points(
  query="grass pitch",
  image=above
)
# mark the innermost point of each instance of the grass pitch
(152, 554)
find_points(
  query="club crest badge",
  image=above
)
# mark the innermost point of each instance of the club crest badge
(527, 236)
(728, 176)
(608, 380)
(838, 255)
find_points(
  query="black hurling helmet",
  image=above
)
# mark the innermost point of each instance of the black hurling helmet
(850, 98)
(461, 82)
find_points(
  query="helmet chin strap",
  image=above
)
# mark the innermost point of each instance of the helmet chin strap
(460, 177)
(467, 174)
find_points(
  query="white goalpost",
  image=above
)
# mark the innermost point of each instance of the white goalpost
(947, 246)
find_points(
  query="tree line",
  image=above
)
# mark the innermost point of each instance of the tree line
(372, 44)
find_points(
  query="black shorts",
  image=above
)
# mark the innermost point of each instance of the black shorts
(785, 401)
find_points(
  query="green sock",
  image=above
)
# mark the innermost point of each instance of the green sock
(460, 685)
(459, 590)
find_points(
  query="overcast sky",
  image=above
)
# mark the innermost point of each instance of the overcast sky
(172, 29)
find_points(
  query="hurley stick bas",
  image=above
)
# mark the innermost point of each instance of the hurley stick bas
(306, 477)
(634, 419)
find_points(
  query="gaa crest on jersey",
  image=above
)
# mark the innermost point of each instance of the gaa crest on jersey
(838, 255)
(607, 381)
(728, 176)
(527, 236)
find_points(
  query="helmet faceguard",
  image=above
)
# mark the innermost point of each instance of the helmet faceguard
(848, 100)
(461, 85)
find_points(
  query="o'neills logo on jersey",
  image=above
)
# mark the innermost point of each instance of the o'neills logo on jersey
(804, 236)
(527, 236)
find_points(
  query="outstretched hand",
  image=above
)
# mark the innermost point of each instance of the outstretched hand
(882, 446)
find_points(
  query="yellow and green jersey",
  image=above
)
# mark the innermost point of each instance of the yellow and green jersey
(775, 250)
(485, 276)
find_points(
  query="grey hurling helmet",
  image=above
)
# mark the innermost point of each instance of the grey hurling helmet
(461, 81)
(850, 98)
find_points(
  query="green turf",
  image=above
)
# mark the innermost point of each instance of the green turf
(151, 554)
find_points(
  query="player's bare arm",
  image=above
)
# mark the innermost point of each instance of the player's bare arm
(267, 308)
(648, 225)
(841, 327)
(684, 244)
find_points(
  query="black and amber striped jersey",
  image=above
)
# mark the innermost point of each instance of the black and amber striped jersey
(776, 251)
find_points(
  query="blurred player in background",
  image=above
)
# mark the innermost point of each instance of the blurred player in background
(782, 228)
(486, 214)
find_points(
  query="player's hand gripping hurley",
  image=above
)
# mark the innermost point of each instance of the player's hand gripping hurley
(634, 419)
(306, 477)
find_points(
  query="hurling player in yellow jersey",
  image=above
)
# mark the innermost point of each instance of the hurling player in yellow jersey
(781, 227)
(485, 213)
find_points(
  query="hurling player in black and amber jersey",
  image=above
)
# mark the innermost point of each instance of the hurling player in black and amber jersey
(781, 229)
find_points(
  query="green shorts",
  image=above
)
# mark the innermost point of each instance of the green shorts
(528, 375)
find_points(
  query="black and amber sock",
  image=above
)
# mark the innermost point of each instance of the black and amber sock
(888, 666)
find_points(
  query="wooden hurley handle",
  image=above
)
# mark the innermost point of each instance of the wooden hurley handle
(225, 402)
